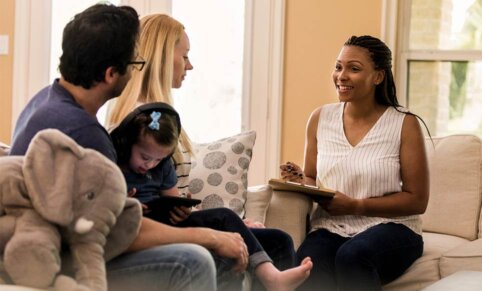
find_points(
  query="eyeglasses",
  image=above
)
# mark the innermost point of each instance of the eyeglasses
(139, 64)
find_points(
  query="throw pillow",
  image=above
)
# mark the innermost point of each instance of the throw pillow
(219, 174)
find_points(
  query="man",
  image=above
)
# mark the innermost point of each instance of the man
(98, 56)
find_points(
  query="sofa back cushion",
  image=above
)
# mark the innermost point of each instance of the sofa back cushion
(455, 186)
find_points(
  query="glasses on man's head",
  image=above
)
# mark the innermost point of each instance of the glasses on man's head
(138, 64)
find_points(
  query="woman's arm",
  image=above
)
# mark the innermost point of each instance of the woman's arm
(311, 151)
(413, 198)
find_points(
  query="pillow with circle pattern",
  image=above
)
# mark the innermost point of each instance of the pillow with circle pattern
(219, 172)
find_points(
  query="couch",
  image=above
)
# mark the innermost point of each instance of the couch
(452, 223)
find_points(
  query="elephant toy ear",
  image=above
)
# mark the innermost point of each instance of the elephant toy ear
(48, 170)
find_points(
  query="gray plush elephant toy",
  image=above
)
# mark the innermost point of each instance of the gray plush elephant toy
(62, 194)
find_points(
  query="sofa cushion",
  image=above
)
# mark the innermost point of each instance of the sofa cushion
(425, 270)
(455, 166)
(219, 174)
(467, 256)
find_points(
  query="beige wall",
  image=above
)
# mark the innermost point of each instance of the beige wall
(7, 13)
(315, 32)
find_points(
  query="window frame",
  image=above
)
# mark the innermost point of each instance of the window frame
(401, 14)
(262, 69)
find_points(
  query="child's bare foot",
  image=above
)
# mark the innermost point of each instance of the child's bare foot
(289, 279)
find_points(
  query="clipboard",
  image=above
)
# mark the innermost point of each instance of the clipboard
(312, 191)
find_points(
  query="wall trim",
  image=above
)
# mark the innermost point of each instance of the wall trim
(31, 53)
(263, 85)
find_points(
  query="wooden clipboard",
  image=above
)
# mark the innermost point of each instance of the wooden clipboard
(313, 191)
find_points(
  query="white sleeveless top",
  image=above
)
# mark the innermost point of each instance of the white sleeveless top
(370, 169)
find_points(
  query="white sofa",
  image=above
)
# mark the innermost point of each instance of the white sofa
(452, 224)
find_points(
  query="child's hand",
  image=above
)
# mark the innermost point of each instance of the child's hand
(132, 193)
(292, 172)
(180, 213)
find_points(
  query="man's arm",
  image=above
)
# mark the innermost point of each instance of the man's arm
(225, 244)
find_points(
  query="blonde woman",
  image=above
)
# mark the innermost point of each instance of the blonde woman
(165, 46)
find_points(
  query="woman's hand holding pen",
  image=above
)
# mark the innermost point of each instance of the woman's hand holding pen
(292, 172)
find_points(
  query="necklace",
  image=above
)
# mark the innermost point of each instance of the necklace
(148, 175)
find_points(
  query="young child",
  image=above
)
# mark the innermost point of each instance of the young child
(145, 141)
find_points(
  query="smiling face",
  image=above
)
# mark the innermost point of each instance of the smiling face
(147, 154)
(355, 76)
(181, 61)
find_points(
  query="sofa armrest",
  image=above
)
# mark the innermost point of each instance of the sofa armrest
(289, 211)
(257, 201)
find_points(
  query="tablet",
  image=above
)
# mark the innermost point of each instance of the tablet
(160, 207)
(169, 202)
(313, 191)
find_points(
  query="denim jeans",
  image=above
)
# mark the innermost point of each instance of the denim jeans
(170, 267)
(224, 219)
(279, 246)
(366, 261)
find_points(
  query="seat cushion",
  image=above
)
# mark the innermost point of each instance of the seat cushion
(455, 185)
(425, 270)
(467, 256)
(460, 281)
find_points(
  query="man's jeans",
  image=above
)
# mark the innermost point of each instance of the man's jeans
(170, 267)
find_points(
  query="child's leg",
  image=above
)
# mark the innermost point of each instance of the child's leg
(287, 280)
(225, 219)
(279, 247)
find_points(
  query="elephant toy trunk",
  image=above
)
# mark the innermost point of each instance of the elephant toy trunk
(89, 264)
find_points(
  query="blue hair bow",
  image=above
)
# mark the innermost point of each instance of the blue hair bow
(154, 125)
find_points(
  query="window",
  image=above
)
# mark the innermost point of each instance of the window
(253, 97)
(210, 100)
(440, 63)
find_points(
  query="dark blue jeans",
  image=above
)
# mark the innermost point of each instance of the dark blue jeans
(364, 262)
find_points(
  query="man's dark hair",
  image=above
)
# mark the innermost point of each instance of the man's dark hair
(101, 36)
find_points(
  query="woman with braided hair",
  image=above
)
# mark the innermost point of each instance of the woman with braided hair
(371, 151)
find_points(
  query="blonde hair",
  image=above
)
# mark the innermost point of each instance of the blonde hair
(158, 37)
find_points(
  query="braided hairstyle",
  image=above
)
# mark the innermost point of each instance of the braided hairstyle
(381, 55)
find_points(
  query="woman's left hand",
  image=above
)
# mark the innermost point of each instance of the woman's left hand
(341, 204)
